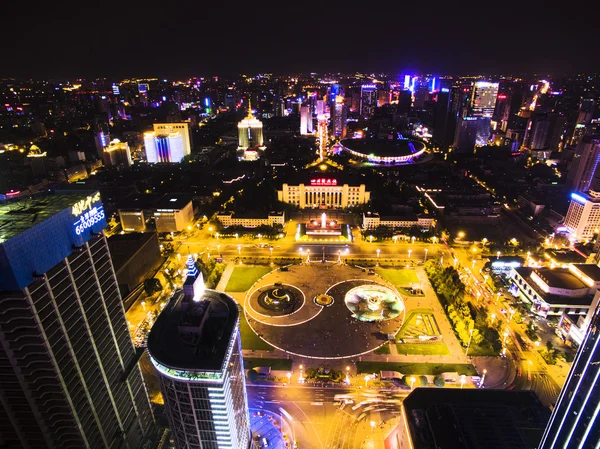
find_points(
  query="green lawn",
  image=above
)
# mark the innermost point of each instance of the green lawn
(423, 348)
(399, 278)
(242, 278)
(385, 349)
(483, 350)
(416, 368)
(275, 364)
(249, 339)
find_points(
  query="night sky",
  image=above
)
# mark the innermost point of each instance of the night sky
(183, 39)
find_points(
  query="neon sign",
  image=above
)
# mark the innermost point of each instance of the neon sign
(323, 182)
(84, 204)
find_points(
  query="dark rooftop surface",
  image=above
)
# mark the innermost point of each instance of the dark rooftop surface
(173, 201)
(124, 246)
(475, 419)
(192, 335)
(560, 278)
(383, 147)
(18, 216)
(591, 270)
(556, 281)
(139, 201)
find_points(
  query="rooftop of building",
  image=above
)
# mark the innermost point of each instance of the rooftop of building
(590, 270)
(194, 336)
(19, 216)
(139, 201)
(475, 419)
(556, 278)
(173, 201)
(124, 246)
(565, 256)
(251, 214)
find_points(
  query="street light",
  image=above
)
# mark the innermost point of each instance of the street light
(455, 262)
(301, 378)
(367, 379)
(371, 238)
(484, 241)
(219, 250)
(463, 379)
(378, 250)
(426, 250)
(271, 250)
(289, 376)
(217, 235)
(469, 344)
(339, 256)
(498, 255)
(493, 317)
(409, 252)
(373, 424)
(461, 234)
(413, 239)
(308, 255)
(236, 236)
(259, 237)
(482, 378)
(412, 382)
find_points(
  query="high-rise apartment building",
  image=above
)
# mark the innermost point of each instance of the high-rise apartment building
(196, 349)
(583, 217)
(483, 99)
(582, 172)
(69, 376)
(368, 100)
(575, 423)
(250, 133)
(169, 142)
(306, 121)
(117, 154)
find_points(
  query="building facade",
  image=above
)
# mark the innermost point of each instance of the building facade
(251, 221)
(173, 213)
(117, 154)
(368, 100)
(69, 376)
(373, 220)
(583, 217)
(574, 422)
(169, 142)
(195, 347)
(324, 193)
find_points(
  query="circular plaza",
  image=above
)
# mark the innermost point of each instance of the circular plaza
(324, 310)
(386, 152)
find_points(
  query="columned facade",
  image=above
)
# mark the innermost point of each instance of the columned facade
(320, 196)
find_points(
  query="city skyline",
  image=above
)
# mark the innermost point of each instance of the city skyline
(206, 40)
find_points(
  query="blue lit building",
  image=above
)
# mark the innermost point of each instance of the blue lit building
(196, 349)
(68, 369)
(574, 423)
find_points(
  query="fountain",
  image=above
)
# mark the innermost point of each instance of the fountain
(373, 303)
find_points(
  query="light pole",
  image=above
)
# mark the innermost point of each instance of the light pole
(469, 344)
(473, 264)
(442, 260)
(239, 250)
(493, 317)
(219, 250)
(301, 378)
(378, 256)
(413, 239)
(339, 256)
(426, 250)
(512, 312)
(348, 375)
(367, 379)
(409, 253)
(289, 376)
(271, 250)
(308, 255)
(259, 237)
(463, 379)
(217, 235)
(236, 236)
(412, 382)
(498, 255)
(455, 262)
(482, 378)
(371, 238)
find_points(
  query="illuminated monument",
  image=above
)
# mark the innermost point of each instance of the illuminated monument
(250, 132)
(196, 349)
(69, 376)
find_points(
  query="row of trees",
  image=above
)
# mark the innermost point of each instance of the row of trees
(469, 322)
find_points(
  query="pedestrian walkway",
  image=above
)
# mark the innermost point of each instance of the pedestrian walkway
(225, 277)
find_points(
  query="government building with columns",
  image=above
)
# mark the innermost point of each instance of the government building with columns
(324, 193)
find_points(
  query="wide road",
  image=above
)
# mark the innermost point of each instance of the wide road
(320, 421)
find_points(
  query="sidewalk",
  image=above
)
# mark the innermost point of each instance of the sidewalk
(225, 277)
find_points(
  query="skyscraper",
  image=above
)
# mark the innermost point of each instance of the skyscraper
(169, 142)
(368, 100)
(574, 422)
(196, 349)
(446, 113)
(68, 369)
(306, 122)
(117, 154)
(250, 132)
(483, 99)
(584, 165)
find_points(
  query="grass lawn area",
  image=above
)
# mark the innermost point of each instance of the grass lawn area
(249, 339)
(399, 278)
(385, 349)
(242, 278)
(423, 348)
(416, 368)
(477, 350)
(419, 322)
(275, 364)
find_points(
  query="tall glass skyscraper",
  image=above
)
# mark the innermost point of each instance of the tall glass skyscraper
(69, 376)
(574, 423)
(196, 349)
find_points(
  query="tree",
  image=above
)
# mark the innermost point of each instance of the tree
(422, 381)
(252, 375)
(439, 381)
(152, 286)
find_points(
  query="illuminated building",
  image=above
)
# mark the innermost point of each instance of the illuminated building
(583, 174)
(469, 418)
(574, 421)
(306, 121)
(583, 216)
(173, 212)
(117, 154)
(251, 220)
(483, 99)
(324, 192)
(250, 132)
(169, 142)
(466, 134)
(323, 137)
(69, 376)
(196, 350)
(554, 291)
(338, 117)
(368, 100)
(384, 151)
(372, 220)
(101, 140)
